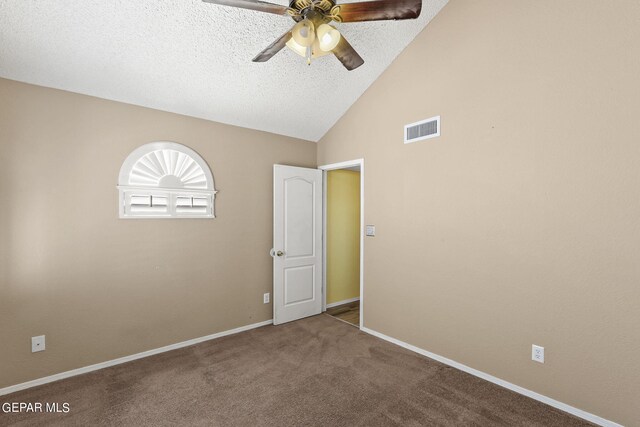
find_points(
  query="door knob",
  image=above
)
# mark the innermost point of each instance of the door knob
(273, 253)
(279, 253)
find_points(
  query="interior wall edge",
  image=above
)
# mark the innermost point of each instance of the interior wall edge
(498, 381)
(130, 358)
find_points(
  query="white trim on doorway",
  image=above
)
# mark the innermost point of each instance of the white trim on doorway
(334, 166)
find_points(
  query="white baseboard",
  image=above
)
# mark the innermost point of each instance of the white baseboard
(102, 365)
(345, 301)
(521, 390)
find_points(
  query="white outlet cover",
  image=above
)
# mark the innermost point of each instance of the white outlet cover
(537, 353)
(370, 230)
(37, 344)
(265, 298)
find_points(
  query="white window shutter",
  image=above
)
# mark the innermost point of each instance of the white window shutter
(166, 180)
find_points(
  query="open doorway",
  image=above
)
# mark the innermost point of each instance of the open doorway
(343, 241)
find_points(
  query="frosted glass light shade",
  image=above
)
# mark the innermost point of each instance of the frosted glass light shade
(328, 37)
(300, 50)
(316, 52)
(304, 33)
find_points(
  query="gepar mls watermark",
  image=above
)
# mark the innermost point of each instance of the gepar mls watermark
(35, 407)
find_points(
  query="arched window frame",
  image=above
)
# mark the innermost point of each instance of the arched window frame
(161, 194)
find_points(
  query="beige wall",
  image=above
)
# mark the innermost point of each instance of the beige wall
(343, 235)
(520, 224)
(99, 287)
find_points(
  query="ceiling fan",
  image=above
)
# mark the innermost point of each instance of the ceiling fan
(312, 36)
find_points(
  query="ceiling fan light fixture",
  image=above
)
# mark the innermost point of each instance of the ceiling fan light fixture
(304, 33)
(299, 49)
(328, 37)
(311, 13)
(316, 52)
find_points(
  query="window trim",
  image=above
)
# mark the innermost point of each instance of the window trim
(126, 191)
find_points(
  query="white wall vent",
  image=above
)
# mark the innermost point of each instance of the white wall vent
(423, 129)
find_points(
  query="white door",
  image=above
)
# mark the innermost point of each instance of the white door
(297, 243)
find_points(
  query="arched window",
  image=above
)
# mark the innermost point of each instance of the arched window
(166, 180)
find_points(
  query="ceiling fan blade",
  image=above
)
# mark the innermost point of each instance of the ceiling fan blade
(380, 10)
(260, 6)
(347, 55)
(273, 48)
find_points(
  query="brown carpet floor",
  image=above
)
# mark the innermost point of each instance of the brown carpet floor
(314, 372)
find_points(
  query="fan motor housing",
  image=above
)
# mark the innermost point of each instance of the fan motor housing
(314, 10)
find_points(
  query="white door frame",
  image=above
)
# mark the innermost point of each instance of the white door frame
(325, 168)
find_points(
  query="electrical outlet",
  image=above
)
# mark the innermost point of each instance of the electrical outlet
(537, 353)
(265, 298)
(37, 343)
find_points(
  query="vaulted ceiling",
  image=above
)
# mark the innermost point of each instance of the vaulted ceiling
(194, 58)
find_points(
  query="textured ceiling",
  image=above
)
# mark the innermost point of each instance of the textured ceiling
(194, 58)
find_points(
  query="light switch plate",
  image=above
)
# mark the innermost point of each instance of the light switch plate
(370, 230)
(265, 298)
(37, 343)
